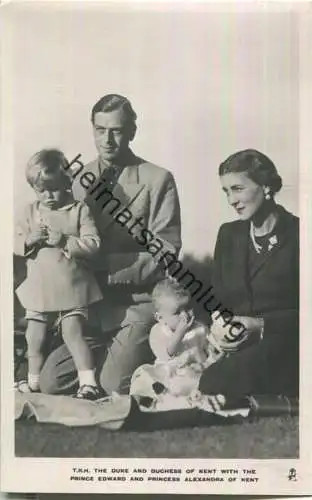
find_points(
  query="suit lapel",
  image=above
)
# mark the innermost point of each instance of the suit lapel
(125, 192)
(282, 230)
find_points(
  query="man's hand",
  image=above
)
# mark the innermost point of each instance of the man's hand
(38, 235)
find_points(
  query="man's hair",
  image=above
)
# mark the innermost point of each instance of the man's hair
(47, 165)
(170, 286)
(258, 167)
(112, 102)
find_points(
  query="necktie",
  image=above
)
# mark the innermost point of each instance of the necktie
(109, 177)
(107, 180)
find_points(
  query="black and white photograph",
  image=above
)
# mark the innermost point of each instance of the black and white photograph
(153, 336)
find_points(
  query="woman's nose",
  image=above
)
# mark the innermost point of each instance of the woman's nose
(233, 199)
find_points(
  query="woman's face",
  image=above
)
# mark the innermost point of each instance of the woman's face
(243, 194)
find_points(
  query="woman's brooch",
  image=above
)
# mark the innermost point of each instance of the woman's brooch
(273, 241)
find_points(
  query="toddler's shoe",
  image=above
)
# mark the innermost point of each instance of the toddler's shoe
(89, 392)
(22, 386)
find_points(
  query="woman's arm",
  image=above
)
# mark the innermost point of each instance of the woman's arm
(282, 323)
(255, 329)
(216, 275)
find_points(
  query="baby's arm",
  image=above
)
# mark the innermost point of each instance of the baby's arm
(88, 242)
(158, 340)
(174, 342)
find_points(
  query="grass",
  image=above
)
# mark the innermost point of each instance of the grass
(267, 438)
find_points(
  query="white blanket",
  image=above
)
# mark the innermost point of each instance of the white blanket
(110, 413)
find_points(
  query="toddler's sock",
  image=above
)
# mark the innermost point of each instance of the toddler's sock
(86, 377)
(33, 381)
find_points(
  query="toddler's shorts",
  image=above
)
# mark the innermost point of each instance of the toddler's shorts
(56, 317)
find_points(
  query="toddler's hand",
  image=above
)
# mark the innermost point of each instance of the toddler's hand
(37, 235)
(56, 238)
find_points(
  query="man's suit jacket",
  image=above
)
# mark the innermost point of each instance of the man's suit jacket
(147, 192)
(272, 289)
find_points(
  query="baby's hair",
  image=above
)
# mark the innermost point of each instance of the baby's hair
(48, 165)
(170, 286)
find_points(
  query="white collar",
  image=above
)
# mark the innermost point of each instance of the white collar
(272, 240)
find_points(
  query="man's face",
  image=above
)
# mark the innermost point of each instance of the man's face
(111, 134)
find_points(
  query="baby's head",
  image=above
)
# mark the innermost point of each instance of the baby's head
(171, 300)
(46, 173)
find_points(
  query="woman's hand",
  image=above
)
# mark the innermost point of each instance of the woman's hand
(252, 328)
(241, 331)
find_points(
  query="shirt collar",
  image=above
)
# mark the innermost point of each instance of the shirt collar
(128, 158)
(68, 205)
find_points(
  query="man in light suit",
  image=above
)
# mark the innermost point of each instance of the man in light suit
(143, 223)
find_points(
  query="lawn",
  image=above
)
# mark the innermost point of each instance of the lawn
(276, 437)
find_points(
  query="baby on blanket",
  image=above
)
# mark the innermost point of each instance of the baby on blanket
(183, 347)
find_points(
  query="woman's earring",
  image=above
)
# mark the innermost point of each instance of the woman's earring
(267, 195)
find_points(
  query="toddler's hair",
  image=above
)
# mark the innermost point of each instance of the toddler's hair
(170, 286)
(48, 165)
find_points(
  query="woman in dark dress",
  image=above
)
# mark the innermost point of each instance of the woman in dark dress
(256, 277)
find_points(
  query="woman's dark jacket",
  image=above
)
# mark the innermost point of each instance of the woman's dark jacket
(270, 287)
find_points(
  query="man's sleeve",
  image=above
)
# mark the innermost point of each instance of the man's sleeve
(88, 242)
(164, 225)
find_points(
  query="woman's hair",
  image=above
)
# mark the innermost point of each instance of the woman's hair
(112, 102)
(257, 165)
(48, 165)
(170, 286)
